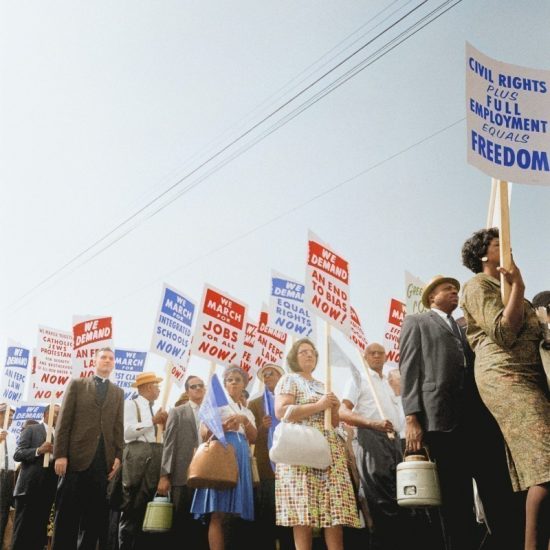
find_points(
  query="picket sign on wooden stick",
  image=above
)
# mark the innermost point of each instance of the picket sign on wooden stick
(165, 396)
(374, 394)
(211, 371)
(328, 377)
(504, 238)
(49, 427)
(492, 199)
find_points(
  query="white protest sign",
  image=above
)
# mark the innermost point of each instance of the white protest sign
(393, 331)
(248, 346)
(219, 333)
(90, 334)
(413, 292)
(287, 310)
(508, 109)
(172, 332)
(357, 336)
(14, 373)
(270, 345)
(53, 368)
(24, 413)
(327, 284)
(128, 364)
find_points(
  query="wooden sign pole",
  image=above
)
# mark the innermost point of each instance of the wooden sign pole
(211, 371)
(328, 377)
(165, 396)
(51, 413)
(492, 200)
(504, 238)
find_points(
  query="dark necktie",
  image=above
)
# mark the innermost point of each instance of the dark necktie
(101, 388)
(454, 327)
(153, 414)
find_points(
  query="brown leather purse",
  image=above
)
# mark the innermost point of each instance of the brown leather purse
(213, 466)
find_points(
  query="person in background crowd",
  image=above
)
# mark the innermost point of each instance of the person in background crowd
(182, 399)
(140, 460)
(35, 488)
(509, 375)
(88, 452)
(379, 449)
(265, 518)
(432, 363)
(394, 380)
(180, 441)
(308, 497)
(7, 469)
(244, 398)
(240, 430)
(542, 299)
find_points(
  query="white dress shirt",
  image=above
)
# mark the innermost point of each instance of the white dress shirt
(133, 429)
(10, 444)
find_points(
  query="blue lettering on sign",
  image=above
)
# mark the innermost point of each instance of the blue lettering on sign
(287, 289)
(17, 357)
(130, 361)
(178, 307)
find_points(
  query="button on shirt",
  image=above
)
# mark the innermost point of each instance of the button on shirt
(133, 429)
(364, 404)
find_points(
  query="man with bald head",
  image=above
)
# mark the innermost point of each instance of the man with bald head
(378, 450)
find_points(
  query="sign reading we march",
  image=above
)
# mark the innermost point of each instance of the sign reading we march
(508, 113)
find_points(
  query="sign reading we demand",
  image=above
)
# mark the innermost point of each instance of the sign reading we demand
(508, 112)
(327, 284)
(90, 334)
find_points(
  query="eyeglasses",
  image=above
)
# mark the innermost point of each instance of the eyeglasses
(306, 352)
(196, 386)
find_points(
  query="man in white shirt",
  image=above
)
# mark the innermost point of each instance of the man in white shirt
(378, 446)
(7, 469)
(141, 458)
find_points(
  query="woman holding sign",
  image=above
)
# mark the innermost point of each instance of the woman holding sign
(509, 375)
(309, 497)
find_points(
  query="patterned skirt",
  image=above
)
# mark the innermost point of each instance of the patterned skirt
(239, 500)
(317, 498)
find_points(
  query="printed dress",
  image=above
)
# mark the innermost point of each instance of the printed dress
(309, 496)
(510, 379)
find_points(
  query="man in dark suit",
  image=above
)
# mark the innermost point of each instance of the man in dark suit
(432, 364)
(35, 488)
(87, 452)
(180, 441)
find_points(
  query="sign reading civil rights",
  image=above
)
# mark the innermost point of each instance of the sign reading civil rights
(24, 413)
(357, 336)
(220, 329)
(14, 373)
(393, 331)
(327, 284)
(287, 310)
(172, 331)
(90, 334)
(128, 364)
(248, 346)
(413, 291)
(53, 366)
(270, 344)
(508, 113)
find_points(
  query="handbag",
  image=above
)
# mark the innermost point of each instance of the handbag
(299, 445)
(213, 466)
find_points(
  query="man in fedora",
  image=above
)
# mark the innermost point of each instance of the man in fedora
(269, 374)
(87, 452)
(141, 459)
(432, 363)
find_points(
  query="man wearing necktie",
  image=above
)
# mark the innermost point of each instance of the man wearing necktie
(141, 459)
(35, 488)
(88, 452)
(432, 364)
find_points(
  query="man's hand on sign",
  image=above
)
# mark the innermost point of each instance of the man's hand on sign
(61, 466)
(3, 435)
(383, 426)
(116, 466)
(45, 448)
(160, 417)
(266, 421)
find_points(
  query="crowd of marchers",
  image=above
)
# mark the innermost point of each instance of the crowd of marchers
(471, 395)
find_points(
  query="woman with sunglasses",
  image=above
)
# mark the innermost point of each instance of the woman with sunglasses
(240, 430)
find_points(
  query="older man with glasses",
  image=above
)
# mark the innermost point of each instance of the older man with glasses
(181, 438)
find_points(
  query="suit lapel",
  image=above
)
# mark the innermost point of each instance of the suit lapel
(440, 321)
(191, 415)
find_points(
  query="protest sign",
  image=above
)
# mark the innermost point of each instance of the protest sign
(393, 331)
(172, 331)
(508, 109)
(287, 310)
(327, 284)
(219, 333)
(14, 373)
(357, 336)
(248, 346)
(128, 364)
(269, 346)
(90, 334)
(413, 292)
(53, 365)
(24, 413)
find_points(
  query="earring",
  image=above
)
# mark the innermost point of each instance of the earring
(484, 259)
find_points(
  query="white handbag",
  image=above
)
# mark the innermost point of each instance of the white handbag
(299, 445)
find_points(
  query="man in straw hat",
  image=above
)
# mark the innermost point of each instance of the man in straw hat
(269, 374)
(141, 458)
(432, 364)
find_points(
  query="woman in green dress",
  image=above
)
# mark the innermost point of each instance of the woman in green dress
(509, 375)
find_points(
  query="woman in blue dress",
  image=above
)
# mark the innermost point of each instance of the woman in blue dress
(240, 430)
